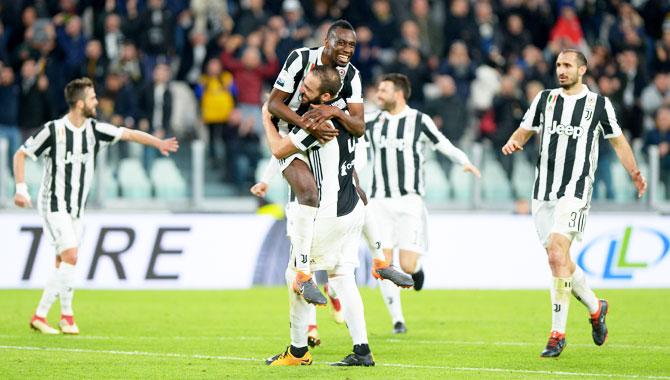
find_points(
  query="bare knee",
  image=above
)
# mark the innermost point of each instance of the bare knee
(69, 256)
(408, 264)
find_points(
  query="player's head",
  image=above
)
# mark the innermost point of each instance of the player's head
(80, 95)
(393, 89)
(321, 84)
(570, 68)
(340, 42)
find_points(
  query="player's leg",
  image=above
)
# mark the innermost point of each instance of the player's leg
(67, 281)
(343, 280)
(412, 236)
(303, 185)
(381, 266)
(49, 296)
(391, 295)
(297, 353)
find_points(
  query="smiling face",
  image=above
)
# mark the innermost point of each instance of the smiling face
(310, 90)
(340, 46)
(387, 95)
(568, 70)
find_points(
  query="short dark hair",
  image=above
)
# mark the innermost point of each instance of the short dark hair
(339, 24)
(581, 58)
(400, 82)
(329, 78)
(74, 90)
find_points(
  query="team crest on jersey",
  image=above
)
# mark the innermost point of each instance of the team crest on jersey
(342, 71)
(589, 114)
(551, 102)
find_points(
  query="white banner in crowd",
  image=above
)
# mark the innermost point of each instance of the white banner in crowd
(202, 251)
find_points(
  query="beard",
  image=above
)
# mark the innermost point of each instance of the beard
(571, 82)
(305, 100)
(89, 112)
(388, 105)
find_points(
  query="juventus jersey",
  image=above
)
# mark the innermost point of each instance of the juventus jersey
(69, 160)
(398, 143)
(570, 127)
(296, 67)
(332, 164)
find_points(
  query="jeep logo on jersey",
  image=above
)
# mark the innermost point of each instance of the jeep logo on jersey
(391, 143)
(75, 158)
(567, 130)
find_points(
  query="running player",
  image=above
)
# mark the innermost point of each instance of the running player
(570, 120)
(69, 146)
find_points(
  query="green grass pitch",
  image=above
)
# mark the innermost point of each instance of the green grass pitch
(227, 334)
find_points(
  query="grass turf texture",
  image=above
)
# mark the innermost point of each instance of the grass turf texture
(227, 334)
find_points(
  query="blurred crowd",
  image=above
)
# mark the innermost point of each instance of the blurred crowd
(199, 69)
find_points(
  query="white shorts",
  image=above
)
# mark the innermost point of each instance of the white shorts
(63, 230)
(336, 240)
(285, 162)
(402, 222)
(565, 216)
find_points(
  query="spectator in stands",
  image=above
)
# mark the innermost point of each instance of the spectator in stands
(366, 56)
(490, 34)
(242, 152)
(95, 65)
(297, 27)
(459, 66)
(411, 64)
(653, 96)
(9, 110)
(660, 137)
(249, 73)
(633, 80)
(508, 110)
(155, 107)
(661, 61)
(568, 29)
(251, 18)
(450, 114)
(35, 105)
(129, 63)
(113, 37)
(193, 58)
(216, 104)
(72, 42)
(515, 38)
(430, 32)
(459, 25)
(155, 28)
(384, 25)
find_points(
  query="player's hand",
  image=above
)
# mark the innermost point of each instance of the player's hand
(168, 146)
(318, 114)
(324, 132)
(22, 198)
(259, 189)
(640, 183)
(511, 147)
(469, 168)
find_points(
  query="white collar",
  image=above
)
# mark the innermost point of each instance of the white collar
(578, 95)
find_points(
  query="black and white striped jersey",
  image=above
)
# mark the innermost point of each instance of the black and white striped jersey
(69, 160)
(332, 164)
(570, 127)
(398, 143)
(297, 65)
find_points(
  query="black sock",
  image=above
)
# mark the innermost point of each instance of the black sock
(361, 349)
(298, 352)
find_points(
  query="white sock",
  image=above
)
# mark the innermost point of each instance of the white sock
(51, 290)
(301, 235)
(391, 295)
(560, 303)
(67, 277)
(352, 306)
(298, 313)
(371, 234)
(311, 318)
(582, 292)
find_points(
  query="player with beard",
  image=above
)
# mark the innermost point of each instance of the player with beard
(570, 120)
(69, 146)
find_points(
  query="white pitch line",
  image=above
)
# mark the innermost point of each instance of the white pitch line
(388, 340)
(395, 365)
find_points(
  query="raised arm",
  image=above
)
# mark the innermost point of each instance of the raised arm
(281, 147)
(165, 146)
(627, 158)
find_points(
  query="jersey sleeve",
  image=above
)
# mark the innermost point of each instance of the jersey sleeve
(356, 89)
(440, 143)
(302, 139)
(531, 119)
(107, 134)
(38, 144)
(286, 79)
(608, 122)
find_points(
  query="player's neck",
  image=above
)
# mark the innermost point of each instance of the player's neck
(76, 119)
(325, 59)
(399, 107)
(574, 90)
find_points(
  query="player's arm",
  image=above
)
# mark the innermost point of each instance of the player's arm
(165, 146)
(261, 187)
(518, 139)
(353, 121)
(442, 144)
(34, 147)
(530, 125)
(612, 132)
(281, 147)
